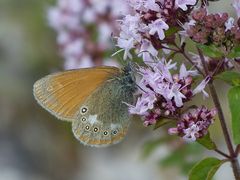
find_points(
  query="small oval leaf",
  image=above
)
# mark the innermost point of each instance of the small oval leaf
(235, 53)
(171, 31)
(205, 169)
(207, 142)
(234, 104)
(230, 77)
(210, 51)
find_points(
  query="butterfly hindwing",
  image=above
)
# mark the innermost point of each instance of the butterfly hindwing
(103, 118)
(63, 93)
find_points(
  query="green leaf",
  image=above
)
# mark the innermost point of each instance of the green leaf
(162, 122)
(179, 156)
(234, 104)
(183, 157)
(171, 31)
(205, 169)
(235, 53)
(207, 142)
(230, 77)
(210, 51)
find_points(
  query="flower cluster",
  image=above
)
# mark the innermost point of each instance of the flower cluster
(145, 29)
(214, 29)
(161, 26)
(163, 94)
(84, 29)
(194, 124)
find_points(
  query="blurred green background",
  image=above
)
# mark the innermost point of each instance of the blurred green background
(35, 145)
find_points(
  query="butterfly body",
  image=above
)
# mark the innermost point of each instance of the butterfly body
(97, 110)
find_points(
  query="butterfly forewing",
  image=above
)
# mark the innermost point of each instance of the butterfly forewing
(62, 94)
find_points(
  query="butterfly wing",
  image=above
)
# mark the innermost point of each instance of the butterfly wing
(103, 118)
(63, 93)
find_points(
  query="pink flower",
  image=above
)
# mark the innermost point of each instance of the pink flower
(58, 19)
(185, 73)
(229, 24)
(201, 87)
(158, 26)
(185, 27)
(194, 124)
(144, 103)
(152, 117)
(147, 51)
(71, 20)
(137, 4)
(151, 5)
(176, 94)
(74, 6)
(236, 5)
(172, 131)
(126, 45)
(85, 62)
(190, 133)
(184, 3)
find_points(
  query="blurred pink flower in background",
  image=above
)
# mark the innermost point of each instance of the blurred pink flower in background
(236, 5)
(84, 30)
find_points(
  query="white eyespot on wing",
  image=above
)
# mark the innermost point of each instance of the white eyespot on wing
(88, 130)
(105, 133)
(83, 119)
(83, 110)
(82, 128)
(95, 137)
(115, 128)
(95, 129)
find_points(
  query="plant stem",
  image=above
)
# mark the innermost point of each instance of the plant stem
(203, 61)
(221, 118)
(234, 160)
(182, 51)
(237, 149)
(233, 156)
(222, 153)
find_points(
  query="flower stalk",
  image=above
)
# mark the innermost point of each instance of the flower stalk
(233, 156)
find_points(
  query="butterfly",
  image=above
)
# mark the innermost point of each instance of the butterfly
(94, 100)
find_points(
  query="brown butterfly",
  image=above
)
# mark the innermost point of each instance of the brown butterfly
(92, 99)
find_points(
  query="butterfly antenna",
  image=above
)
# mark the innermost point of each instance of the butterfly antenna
(116, 51)
(139, 87)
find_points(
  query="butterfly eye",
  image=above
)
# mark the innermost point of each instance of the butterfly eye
(95, 129)
(105, 133)
(84, 110)
(83, 119)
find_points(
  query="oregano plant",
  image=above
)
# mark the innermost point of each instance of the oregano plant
(180, 49)
(161, 31)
